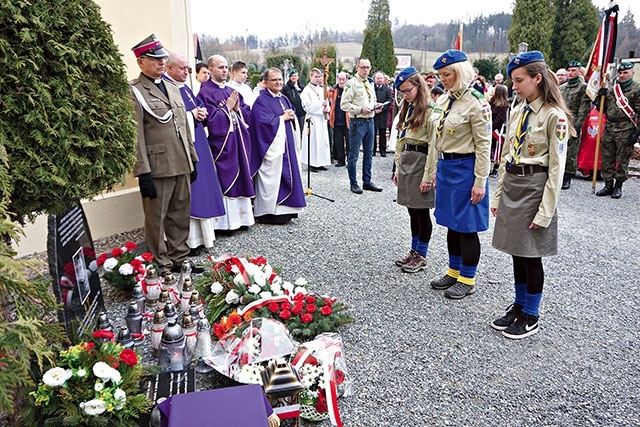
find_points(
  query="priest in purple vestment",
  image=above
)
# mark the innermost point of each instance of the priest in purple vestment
(206, 195)
(274, 160)
(228, 124)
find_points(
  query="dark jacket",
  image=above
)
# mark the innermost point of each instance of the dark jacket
(383, 94)
(293, 95)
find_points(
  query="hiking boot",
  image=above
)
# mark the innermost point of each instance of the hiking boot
(416, 264)
(445, 282)
(513, 312)
(617, 190)
(566, 181)
(405, 260)
(606, 190)
(524, 326)
(459, 290)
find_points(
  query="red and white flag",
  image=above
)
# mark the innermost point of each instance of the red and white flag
(603, 51)
(458, 43)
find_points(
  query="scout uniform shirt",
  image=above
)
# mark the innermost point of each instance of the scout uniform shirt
(545, 144)
(424, 136)
(358, 93)
(467, 129)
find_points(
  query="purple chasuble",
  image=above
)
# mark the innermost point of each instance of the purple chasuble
(206, 195)
(265, 115)
(229, 140)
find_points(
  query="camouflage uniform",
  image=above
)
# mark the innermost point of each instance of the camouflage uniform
(619, 128)
(577, 101)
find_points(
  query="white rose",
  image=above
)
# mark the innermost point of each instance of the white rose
(301, 281)
(266, 294)
(252, 269)
(121, 397)
(99, 386)
(238, 279)
(95, 407)
(260, 279)
(299, 290)
(232, 297)
(287, 286)
(57, 376)
(277, 280)
(125, 269)
(81, 372)
(216, 288)
(276, 289)
(254, 289)
(235, 269)
(110, 264)
(267, 270)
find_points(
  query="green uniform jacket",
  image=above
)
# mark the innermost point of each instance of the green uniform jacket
(577, 101)
(615, 116)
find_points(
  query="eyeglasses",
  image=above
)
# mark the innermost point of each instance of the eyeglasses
(406, 91)
(274, 80)
(364, 67)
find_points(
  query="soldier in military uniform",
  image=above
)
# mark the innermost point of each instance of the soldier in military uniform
(463, 142)
(166, 157)
(578, 103)
(622, 105)
(531, 172)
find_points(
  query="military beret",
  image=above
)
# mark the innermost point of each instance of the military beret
(573, 64)
(430, 76)
(151, 47)
(292, 72)
(524, 58)
(451, 56)
(404, 75)
(625, 66)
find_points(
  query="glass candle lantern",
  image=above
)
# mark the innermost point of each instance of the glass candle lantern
(190, 333)
(159, 323)
(134, 321)
(185, 294)
(124, 338)
(204, 346)
(137, 294)
(174, 355)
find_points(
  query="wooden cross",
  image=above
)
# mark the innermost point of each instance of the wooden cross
(325, 61)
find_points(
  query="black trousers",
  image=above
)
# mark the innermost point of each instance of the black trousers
(382, 141)
(340, 143)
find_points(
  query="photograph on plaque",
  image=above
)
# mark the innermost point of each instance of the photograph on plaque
(82, 278)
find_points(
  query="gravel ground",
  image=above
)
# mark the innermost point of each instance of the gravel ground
(418, 359)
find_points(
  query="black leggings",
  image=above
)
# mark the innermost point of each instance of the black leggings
(529, 271)
(465, 245)
(421, 225)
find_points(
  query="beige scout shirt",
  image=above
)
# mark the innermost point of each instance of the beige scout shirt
(356, 96)
(425, 135)
(545, 144)
(467, 129)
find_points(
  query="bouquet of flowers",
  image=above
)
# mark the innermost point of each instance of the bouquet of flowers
(92, 384)
(123, 268)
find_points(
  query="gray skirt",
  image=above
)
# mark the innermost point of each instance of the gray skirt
(519, 202)
(410, 172)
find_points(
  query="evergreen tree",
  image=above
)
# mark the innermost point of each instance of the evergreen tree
(532, 23)
(378, 40)
(575, 31)
(67, 121)
(628, 36)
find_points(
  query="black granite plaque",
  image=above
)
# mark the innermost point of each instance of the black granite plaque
(74, 272)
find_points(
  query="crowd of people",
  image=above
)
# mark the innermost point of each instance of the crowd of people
(229, 156)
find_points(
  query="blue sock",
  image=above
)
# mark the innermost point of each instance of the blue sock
(521, 290)
(468, 274)
(422, 248)
(414, 242)
(531, 304)
(455, 262)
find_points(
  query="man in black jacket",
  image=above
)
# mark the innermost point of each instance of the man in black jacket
(383, 95)
(292, 91)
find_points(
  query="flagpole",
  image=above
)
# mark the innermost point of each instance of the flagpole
(595, 160)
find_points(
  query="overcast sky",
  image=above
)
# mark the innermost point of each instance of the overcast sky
(265, 20)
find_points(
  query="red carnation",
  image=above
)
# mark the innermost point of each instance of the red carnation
(69, 270)
(101, 259)
(88, 252)
(311, 308)
(285, 306)
(259, 261)
(339, 376)
(306, 318)
(326, 310)
(311, 360)
(298, 297)
(131, 246)
(128, 357)
(273, 307)
(321, 406)
(310, 299)
(103, 334)
(285, 314)
(297, 309)
(116, 252)
(147, 256)
(88, 345)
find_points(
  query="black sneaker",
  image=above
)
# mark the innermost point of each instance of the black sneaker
(524, 326)
(445, 282)
(513, 312)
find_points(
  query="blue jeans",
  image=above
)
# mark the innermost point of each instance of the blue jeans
(361, 132)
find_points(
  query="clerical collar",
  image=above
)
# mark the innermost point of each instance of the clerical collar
(626, 84)
(275, 95)
(221, 85)
(154, 80)
(573, 80)
(172, 80)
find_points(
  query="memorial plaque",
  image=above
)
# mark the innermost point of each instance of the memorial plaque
(74, 271)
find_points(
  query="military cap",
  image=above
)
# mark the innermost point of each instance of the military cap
(524, 58)
(151, 47)
(430, 76)
(451, 56)
(625, 66)
(292, 72)
(574, 64)
(404, 75)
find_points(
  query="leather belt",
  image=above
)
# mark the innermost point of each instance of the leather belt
(450, 156)
(365, 119)
(420, 148)
(525, 170)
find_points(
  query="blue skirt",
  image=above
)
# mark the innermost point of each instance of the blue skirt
(454, 180)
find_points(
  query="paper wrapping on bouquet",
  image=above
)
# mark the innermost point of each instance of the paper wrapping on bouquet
(327, 351)
(251, 343)
(587, 151)
(241, 263)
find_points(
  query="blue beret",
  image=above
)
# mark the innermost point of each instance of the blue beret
(404, 75)
(573, 64)
(449, 57)
(625, 66)
(524, 58)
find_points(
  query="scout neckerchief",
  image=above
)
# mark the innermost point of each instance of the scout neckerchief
(405, 124)
(623, 103)
(444, 116)
(366, 87)
(520, 134)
